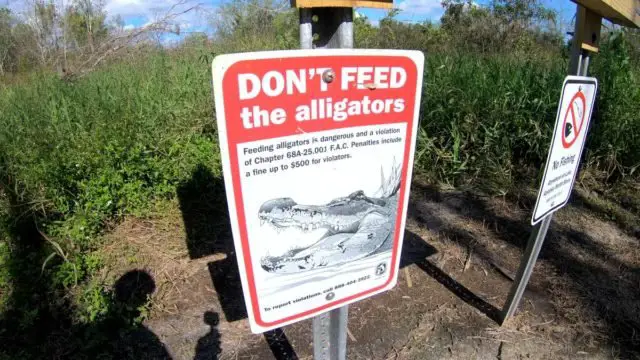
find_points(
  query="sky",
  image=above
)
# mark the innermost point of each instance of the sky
(420, 10)
(137, 13)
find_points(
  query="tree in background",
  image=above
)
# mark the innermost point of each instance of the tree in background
(7, 44)
(73, 36)
(256, 25)
(45, 24)
(520, 26)
(85, 24)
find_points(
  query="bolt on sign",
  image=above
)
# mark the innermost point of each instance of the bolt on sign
(317, 150)
(569, 135)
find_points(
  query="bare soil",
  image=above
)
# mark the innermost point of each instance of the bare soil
(460, 255)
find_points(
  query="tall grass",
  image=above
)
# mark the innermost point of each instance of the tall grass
(75, 156)
(111, 143)
(484, 118)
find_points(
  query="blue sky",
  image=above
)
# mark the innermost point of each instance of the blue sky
(137, 13)
(420, 10)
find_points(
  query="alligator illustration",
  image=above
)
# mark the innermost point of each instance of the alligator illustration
(356, 226)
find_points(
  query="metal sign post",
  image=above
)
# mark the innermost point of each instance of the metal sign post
(587, 27)
(333, 28)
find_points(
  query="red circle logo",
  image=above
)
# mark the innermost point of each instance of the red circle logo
(574, 120)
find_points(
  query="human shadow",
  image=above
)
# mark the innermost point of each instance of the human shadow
(203, 204)
(36, 320)
(208, 347)
(121, 334)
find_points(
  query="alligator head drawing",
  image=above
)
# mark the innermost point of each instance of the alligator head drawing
(355, 226)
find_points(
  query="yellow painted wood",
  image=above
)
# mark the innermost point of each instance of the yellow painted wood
(590, 48)
(379, 4)
(622, 12)
(588, 25)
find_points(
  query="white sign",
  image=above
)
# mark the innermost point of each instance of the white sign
(569, 135)
(317, 150)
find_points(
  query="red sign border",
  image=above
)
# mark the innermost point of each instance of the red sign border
(578, 95)
(232, 175)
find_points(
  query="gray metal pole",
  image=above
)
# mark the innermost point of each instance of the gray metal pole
(579, 65)
(333, 28)
(306, 32)
(330, 335)
(538, 233)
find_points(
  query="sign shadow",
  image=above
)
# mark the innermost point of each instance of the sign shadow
(208, 231)
(203, 205)
(416, 250)
(280, 345)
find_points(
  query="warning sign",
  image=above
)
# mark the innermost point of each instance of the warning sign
(573, 119)
(569, 135)
(317, 149)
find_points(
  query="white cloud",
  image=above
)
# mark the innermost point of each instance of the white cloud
(141, 13)
(426, 8)
(126, 8)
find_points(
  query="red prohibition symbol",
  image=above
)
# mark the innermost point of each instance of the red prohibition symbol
(571, 124)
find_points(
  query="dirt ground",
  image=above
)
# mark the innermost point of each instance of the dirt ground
(460, 255)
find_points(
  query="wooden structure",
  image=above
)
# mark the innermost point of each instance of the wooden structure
(589, 19)
(621, 12)
(379, 4)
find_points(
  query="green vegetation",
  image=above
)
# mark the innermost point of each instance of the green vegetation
(79, 155)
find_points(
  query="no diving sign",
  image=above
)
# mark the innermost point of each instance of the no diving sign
(317, 151)
(569, 135)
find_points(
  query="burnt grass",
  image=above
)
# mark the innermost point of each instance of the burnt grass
(594, 268)
(461, 251)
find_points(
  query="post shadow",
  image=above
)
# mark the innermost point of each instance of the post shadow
(280, 345)
(203, 204)
(226, 281)
(416, 251)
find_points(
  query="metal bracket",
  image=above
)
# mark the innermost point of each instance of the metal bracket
(326, 28)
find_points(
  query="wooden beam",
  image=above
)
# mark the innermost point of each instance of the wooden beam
(588, 29)
(379, 4)
(586, 35)
(621, 12)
